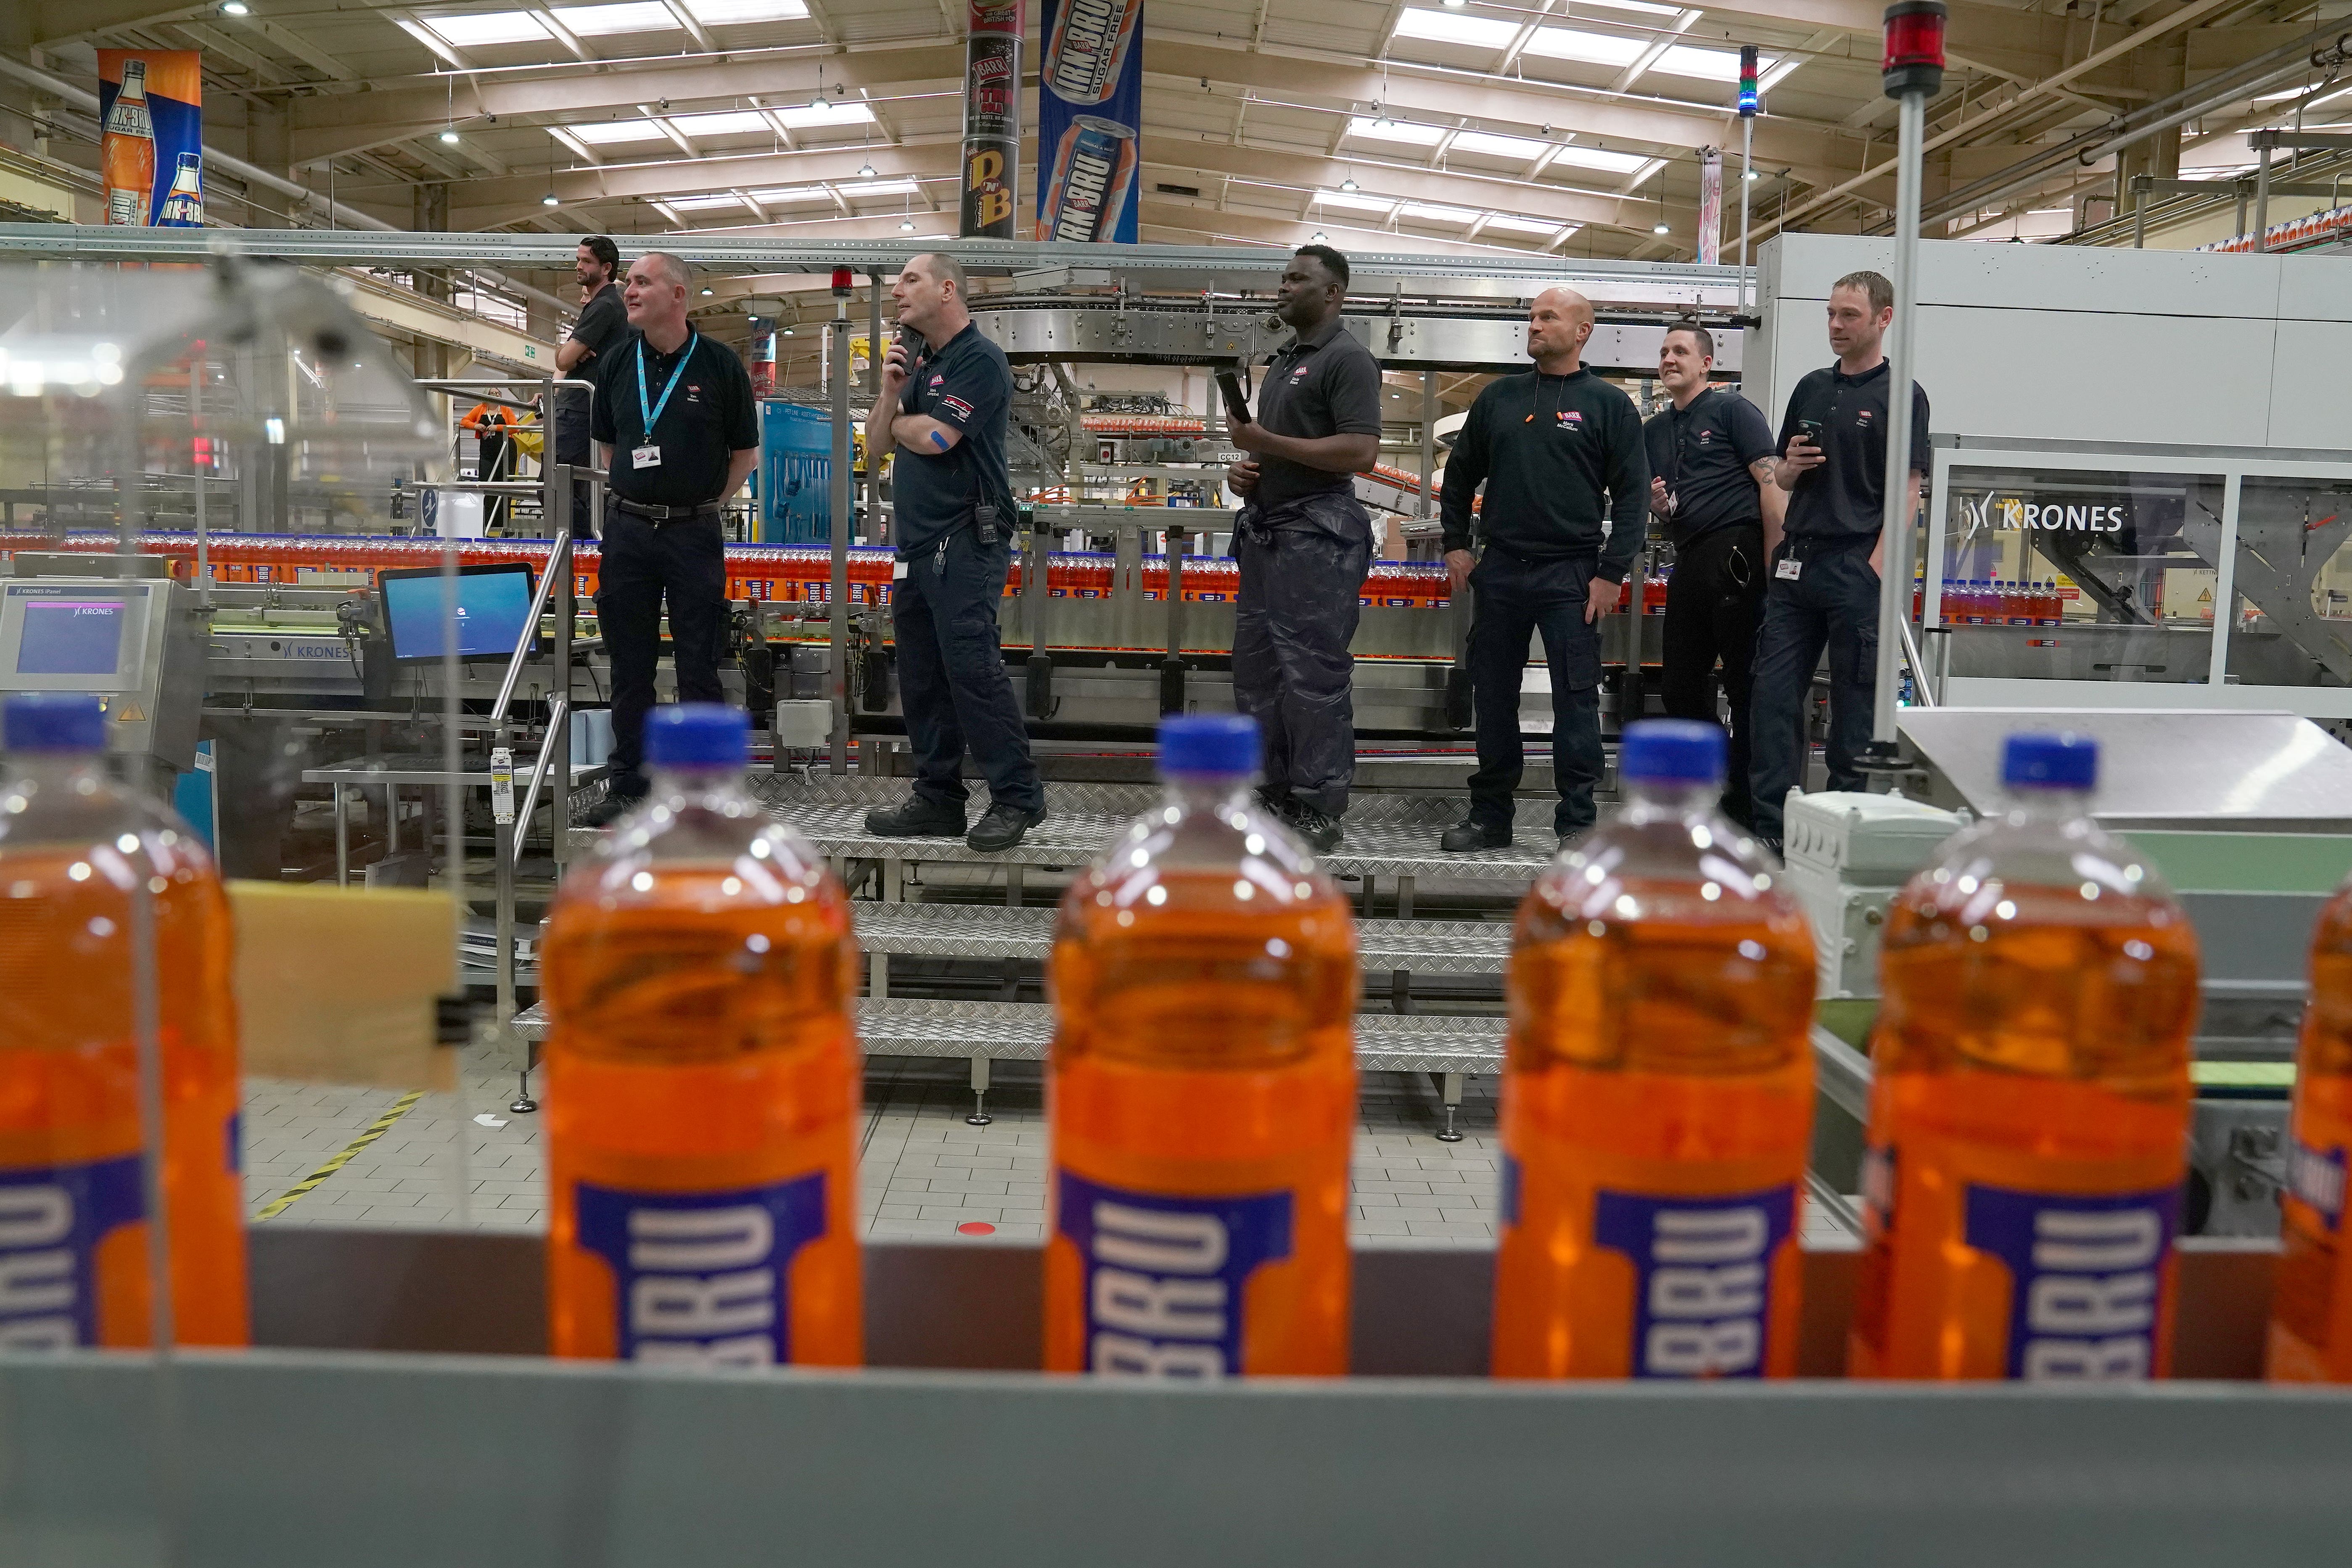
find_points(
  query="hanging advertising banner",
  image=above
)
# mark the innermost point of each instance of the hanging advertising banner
(1089, 114)
(992, 120)
(1711, 207)
(151, 147)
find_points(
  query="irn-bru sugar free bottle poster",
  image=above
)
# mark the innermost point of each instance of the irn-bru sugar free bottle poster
(150, 105)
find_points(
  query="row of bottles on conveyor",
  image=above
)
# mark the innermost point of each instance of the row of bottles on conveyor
(1992, 602)
(2025, 1138)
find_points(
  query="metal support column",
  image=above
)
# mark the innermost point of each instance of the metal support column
(875, 349)
(2139, 212)
(1428, 443)
(1171, 672)
(2262, 196)
(1746, 177)
(837, 622)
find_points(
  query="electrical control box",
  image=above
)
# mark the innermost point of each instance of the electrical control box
(1848, 855)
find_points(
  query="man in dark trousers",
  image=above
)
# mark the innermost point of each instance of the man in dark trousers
(943, 408)
(1303, 541)
(1823, 586)
(1711, 483)
(677, 429)
(1560, 451)
(603, 322)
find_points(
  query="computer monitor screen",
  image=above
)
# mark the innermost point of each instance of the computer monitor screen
(71, 636)
(493, 612)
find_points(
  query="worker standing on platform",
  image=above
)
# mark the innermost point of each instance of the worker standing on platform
(603, 322)
(1560, 453)
(1823, 586)
(1711, 483)
(943, 407)
(1303, 542)
(677, 431)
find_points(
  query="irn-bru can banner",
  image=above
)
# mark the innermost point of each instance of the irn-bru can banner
(1089, 114)
(150, 155)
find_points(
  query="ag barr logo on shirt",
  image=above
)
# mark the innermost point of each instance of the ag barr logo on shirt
(1861, 419)
(955, 405)
(1571, 419)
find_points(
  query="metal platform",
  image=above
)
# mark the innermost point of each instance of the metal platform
(987, 930)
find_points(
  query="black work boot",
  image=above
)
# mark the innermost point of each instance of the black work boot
(1316, 826)
(1470, 833)
(916, 818)
(1001, 827)
(609, 810)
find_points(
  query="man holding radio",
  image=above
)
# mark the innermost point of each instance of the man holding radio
(1823, 588)
(943, 408)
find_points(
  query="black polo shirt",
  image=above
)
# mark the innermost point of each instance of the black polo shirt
(1323, 383)
(1846, 496)
(709, 417)
(966, 384)
(604, 322)
(1703, 452)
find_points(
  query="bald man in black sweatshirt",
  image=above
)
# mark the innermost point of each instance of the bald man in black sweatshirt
(1560, 451)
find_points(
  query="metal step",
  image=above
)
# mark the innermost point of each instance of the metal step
(987, 930)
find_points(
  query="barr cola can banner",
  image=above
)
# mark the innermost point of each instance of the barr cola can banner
(1089, 110)
(992, 120)
(151, 146)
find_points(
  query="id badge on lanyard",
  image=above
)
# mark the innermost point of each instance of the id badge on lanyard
(648, 455)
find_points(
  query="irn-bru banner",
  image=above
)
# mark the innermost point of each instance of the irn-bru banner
(1089, 109)
(150, 105)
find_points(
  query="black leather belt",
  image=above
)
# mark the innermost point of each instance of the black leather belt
(652, 514)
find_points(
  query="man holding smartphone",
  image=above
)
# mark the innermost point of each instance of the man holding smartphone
(1823, 586)
(943, 408)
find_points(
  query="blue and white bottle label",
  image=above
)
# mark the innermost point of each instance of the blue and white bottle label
(1163, 1277)
(1702, 1277)
(702, 1278)
(2315, 1177)
(2086, 1277)
(52, 1219)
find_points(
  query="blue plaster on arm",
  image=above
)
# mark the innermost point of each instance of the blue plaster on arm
(940, 439)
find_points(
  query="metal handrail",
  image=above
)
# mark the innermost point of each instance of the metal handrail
(1922, 681)
(555, 716)
(559, 559)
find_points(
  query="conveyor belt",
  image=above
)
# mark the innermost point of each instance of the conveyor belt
(983, 930)
(1021, 1031)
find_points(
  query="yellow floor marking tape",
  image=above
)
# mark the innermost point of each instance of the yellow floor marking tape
(376, 1130)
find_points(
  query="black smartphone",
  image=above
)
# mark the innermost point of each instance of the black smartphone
(1237, 408)
(1810, 429)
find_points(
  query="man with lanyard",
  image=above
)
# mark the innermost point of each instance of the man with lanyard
(1560, 451)
(1303, 541)
(1823, 587)
(677, 429)
(604, 322)
(944, 411)
(1711, 484)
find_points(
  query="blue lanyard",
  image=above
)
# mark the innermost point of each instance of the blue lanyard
(655, 412)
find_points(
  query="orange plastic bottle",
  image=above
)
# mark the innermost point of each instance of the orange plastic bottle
(702, 1079)
(74, 850)
(127, 149)
(1202, 1094)
(2311, 1305)
(1657, 1092)
(2029, 1098)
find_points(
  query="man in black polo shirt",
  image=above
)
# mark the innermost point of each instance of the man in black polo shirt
(943, 408)
(1560, 451)
(1711, 484)
(1823, 587)
(675, 425)
(603, 322)
(1303, 541)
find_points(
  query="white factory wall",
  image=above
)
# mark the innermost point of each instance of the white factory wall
(2081, 343)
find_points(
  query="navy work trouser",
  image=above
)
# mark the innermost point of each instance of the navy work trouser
(643, 563)
(951, 680)
(1514, 599)
(1302, 588)
(1831, 601)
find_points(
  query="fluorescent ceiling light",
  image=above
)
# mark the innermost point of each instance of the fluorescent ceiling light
(1428, 212)
(478, 28)
(724, 13)
(1643, 7)
(636, 16)
(1509, 224)
(809, 114)
(603, 133)
(1355, 203)
(733, 122)
(1707, 65)
(790, 196)
(1596, 158)
(1593, 48)
(879, 188)
(1494, 146)
(704, 203)
(1396, 130)
(1446, 27)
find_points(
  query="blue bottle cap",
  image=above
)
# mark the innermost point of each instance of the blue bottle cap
(1672, 751)
(1209, 743)
(2050, 761)
(697, 735)
(53, 721)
